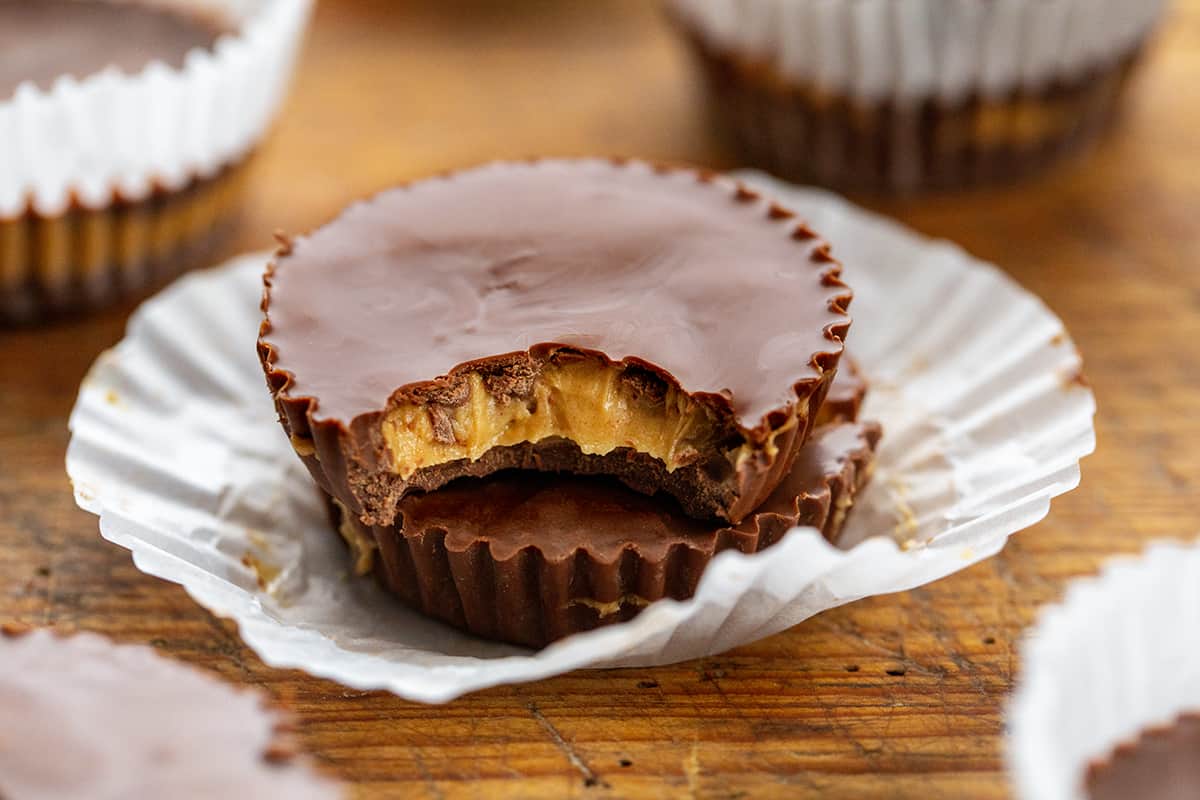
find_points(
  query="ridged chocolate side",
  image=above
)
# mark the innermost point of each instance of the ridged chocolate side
(349, 460)
(87, 258)
(532, 558)
(805, 135)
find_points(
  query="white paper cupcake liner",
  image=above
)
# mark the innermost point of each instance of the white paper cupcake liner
(912, 50)
(176, 447)
(1119, 655)
(114, 135)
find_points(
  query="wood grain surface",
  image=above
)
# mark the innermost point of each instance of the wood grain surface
(895, 697)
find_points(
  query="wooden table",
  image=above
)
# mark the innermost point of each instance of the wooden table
(895, 697)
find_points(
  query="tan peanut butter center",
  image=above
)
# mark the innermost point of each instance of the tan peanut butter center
(589, 403)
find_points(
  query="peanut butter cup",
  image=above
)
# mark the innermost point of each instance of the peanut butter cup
(120, 165)
(532, 558)
(666, 327)
(913, 96)
(1163, 764)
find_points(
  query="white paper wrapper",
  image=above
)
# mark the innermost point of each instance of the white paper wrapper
(1119, 655)
(911, 50)
(175, 445)
(114, 134)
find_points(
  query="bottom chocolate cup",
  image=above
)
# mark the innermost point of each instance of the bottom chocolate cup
(805, 135)
(529, 558)
(84, 259)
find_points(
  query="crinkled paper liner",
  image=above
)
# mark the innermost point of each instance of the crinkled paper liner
(107, 178)
(914, 94)
(1118, 656)
(176, 447)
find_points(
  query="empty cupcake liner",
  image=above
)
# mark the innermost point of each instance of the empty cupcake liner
(1119, 655)
(109, 179)
(176, 447)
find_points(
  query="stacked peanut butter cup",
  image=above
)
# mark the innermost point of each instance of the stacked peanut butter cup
(540, 396)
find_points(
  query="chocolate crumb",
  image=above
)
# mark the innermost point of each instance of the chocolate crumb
(284, 241)
(443, 426)
(279, 752)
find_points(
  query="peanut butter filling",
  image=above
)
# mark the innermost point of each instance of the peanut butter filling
(362, 545)
(596, 406)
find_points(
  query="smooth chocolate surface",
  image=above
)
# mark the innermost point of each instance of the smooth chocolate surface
(83, 717)
(691, 275)
(43, 39)
(531, 557)
(1164, 764)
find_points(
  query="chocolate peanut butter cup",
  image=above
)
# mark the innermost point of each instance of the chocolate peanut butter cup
(667, 327)
(119, 166)
(530, 558)
(899, 97)
(1163, 764)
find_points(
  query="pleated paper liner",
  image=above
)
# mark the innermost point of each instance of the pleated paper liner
(1117, 659)
(451, 559)
(176, 446)
(87, 258)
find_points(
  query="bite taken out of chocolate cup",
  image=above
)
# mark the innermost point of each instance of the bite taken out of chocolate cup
(676, 329)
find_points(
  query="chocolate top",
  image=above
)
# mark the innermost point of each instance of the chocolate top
(690, 272)
(82, 717)
(561, 514)
(43, 39)
(1164, 764)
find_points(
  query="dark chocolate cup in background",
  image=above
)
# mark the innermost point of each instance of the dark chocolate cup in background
(953, 115)
(530, 558)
